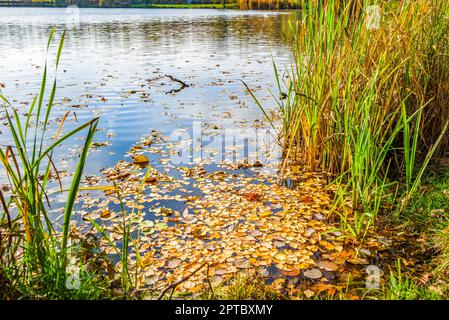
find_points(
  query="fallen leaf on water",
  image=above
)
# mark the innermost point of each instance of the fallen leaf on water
(141, 160)
(306, 199)
(105, 214)
(160, 225)
(327, 245)
(199, 232)
(196, 289)
(318, 216)
(265, 214)
(146, 224)
(309, 231)
(166, 211)
(291, 273)
(242, 263)
(327, 265)
(309, 293)
(225, 271)
(252, 196)
(358, 261)
(313, 274)
(185, 212)
(151, 180)
(173, 263)
(151, 280)
(188, 285)
(346, 277)
(320, 287)
(282, 255)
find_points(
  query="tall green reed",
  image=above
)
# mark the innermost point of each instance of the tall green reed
(28, 162)
(354, 91)
(129, 280)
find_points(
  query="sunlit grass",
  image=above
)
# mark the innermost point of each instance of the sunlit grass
(401, 285)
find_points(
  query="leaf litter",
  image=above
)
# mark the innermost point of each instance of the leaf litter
(230, 220)
(234, 222)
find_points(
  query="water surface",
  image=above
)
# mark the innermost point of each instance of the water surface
(115, 64)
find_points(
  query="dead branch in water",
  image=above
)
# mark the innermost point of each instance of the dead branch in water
(175, 284)
(182, 83)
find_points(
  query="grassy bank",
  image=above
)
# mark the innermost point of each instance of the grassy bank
(426, 219)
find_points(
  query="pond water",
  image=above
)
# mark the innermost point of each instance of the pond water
(127, 66)
(122, 65)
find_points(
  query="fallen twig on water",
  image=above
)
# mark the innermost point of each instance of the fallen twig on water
(182, 83)
(175, 284)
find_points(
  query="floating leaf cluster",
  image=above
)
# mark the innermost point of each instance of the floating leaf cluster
(233, 222)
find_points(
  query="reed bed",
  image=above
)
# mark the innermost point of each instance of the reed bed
(39, 257)
(34, 250)
(367, 99)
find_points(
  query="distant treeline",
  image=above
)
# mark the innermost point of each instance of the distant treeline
(107, 3)
(243, 4)
(269, 4)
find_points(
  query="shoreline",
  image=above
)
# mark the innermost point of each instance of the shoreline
(231, 6)
(136, 6)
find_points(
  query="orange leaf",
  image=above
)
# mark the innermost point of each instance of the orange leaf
(253, 196)
(306, 199)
